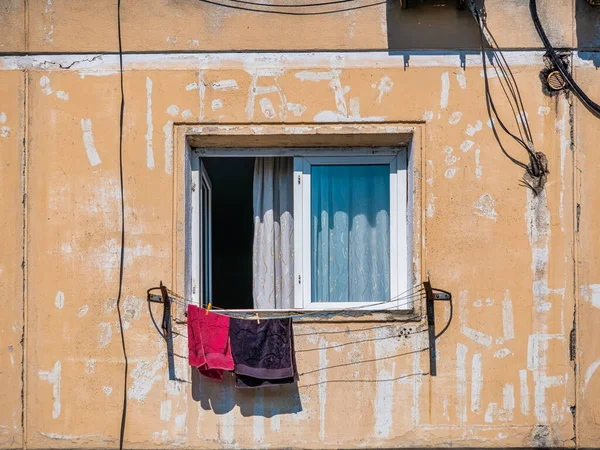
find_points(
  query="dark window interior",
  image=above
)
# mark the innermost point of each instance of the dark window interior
(431, 25)
(232, 230)
(587, 19)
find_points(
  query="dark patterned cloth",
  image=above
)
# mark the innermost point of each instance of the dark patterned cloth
(263, 353)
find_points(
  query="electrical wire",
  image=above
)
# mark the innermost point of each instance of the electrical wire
(592, 106)
(122, 254)
(304, 5)
(290, 13)
(511, 91)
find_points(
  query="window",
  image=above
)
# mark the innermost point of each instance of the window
(334, 221)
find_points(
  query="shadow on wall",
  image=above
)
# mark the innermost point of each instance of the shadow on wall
(221, 397)
(587, 19)
(431, 25)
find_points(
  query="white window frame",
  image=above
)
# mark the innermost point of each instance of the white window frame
(398, 231)
(397, 159)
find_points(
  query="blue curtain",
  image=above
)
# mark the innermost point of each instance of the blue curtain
(350, 228)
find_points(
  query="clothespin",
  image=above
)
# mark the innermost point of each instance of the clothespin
(257, 318)
(208, 308)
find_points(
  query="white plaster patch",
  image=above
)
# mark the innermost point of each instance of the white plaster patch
(82, 311)
(543, 110)
(594, 295)
(476, 382)
(132, 307)
(450, 159)
(149, 125)
(107, 390)
(90, 366)
(10, 355)
(455, 118)
(88, 142)
(472, 129)
(224, 85)
(104, 334)
(45, 84)
(449, 173)
(590, 372)
(4, 131)
(144, 375)
(267, 108)
(62, 95)
(462, 79)
(165, 410)
(384, 87)
(168, 132)
(59, 300)
(187, 114)
(463, 316)
(191, 87)
(478, 166)
(216, 104)
(2, 117)
(296, 109)
(173, 110)
(502, 353)
(431, 205)
(461, 382)
(524, 395)
(428, 116)
(171, 40)
(491, 412)
(484, 207)
(445, 92)
(53, 377)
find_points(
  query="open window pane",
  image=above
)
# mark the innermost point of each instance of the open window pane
(350, 233)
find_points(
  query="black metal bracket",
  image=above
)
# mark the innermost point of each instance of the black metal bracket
(167, 327)
(430, 298)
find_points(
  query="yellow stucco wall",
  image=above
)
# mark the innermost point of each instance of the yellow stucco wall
(519, 266)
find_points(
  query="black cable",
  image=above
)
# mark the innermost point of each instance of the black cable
(122, 256)
(287, 13)
(588, 102)
(451, 311)
(305, 5)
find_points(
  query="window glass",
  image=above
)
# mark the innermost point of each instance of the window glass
(350, 233)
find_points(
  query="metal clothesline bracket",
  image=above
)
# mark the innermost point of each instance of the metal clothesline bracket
(167, 327)
(430, 298)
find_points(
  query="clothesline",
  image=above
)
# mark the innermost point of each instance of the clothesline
(410, 295)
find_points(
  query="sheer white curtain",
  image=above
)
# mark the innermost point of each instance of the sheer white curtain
(273, 246)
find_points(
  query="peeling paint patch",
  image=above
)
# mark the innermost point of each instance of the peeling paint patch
(296, 109)
(478, 166)
(53, 377)
(90, 366)
(82, 311)
(88, 142)
(449, 173)
(463, 316)
(45, 85)
(217, 103)
(10, 355)
(173, 110)
(144, 375)
(592, 295)
(107, 390)
(445, 90)
(62, 95)
(168, 132)
(165, 410)
(491, 412)
(59, 300)
(466, 145)
(524, 395)
(484, 207)
(462, 79)
(461, 382)
(472, 129)
(105, 334)
(543, 110)
(224, 85)
(502, 353)
(476, 382)
(384, 87)
(149, 125)
(187, 114)
(590, 372)
(428, 116)
(4, 131)
(455, 118)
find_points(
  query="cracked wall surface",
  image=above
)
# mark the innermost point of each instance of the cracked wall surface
(519, 266)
